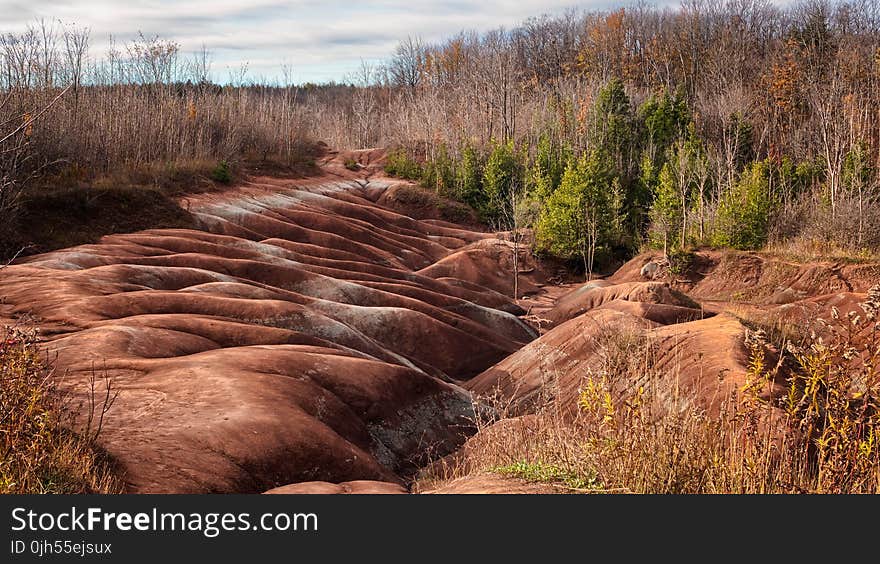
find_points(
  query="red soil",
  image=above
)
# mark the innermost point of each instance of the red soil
(291, 338)
(313, 337)
(701, 357)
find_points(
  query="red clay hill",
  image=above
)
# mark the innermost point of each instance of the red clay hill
(333, 335)
(303, 332)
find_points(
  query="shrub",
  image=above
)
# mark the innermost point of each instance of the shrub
(40, 454)
(398, 163)
(832, 404)
(352, 164)
(680, 261)
(222, 173)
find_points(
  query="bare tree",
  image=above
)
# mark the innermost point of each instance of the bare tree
(405, 68)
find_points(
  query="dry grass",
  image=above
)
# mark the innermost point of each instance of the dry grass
(143, 117)
(822, 435)
(802, 249)
(39, 452)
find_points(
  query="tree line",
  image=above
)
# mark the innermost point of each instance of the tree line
(721, 122)
(731, 123)
(142, 109)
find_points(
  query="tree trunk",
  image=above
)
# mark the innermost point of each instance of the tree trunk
(515, 264)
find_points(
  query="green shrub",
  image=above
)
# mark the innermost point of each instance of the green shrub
(744, 212)
(398, 163)
(222, 173)
(680, 261)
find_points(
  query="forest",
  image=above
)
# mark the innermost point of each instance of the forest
(725, 123)
(734, 124)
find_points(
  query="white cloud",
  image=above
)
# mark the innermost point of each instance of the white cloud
(320, 39)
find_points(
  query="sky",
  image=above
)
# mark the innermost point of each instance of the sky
(318, 40)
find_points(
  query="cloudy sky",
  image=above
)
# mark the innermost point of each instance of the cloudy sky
(319, 39)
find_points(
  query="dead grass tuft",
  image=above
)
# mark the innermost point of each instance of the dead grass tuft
(40, 454)
(822, 435)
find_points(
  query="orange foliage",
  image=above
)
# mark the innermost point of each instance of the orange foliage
(785, 79)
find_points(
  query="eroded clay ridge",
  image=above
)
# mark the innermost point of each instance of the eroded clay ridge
(695, 354)
(301, 333)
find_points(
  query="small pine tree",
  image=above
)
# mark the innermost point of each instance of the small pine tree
(744, 211)
(546, 171)
(469, 177)
(222, 173)
(611, 123)
(578, 218)
(665, 117)
(666, 210)
(439, 174)
(499, 177)
(399, 163)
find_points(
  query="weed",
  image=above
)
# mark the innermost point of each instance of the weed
(624, 435)
(40, 454)
(549, 473)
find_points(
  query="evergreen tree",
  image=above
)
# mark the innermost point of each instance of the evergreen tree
(499, 177)
(546, 171)
(612, 132)
(744, 212)
(611, 123)
(664, 117)
(666, 212)
(439, 174)
(469, 178)
(578, 218)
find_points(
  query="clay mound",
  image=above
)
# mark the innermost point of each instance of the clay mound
(355, 487)
(664, 314)
(488, 263)
(701, 363)
(595, 294)
(289, 339)
(354, 163)
(758, 278)
(843, 313)
(695, 364)
(552, 366)
(421, 203)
